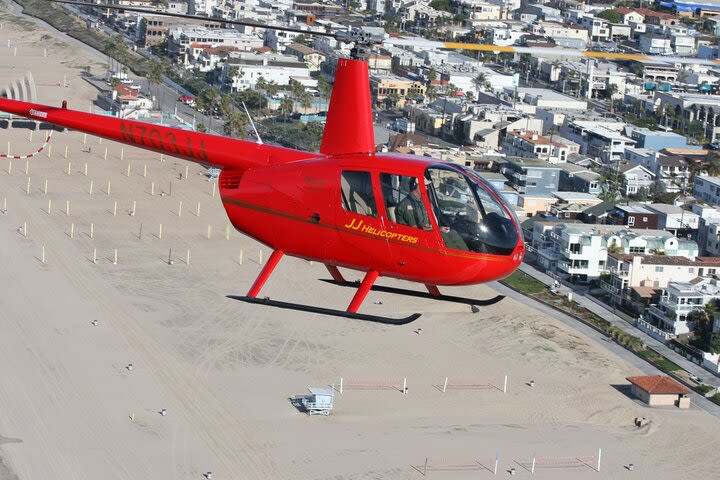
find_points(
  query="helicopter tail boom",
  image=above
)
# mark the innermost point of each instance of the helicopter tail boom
(196, 147)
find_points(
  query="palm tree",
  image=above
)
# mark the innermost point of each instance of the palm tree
(210, 99)
(324, 88)
(713, 164)
(286, 107)
(155, 76)
(480, 81)
(305, 100)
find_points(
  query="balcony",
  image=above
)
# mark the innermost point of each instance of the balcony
(569, 268)
(653, 331)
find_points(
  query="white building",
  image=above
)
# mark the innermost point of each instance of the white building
(579, 251)
(709, 229)
(678, 300)
(598, 28)
(521, 143)
(598, 139)
(633, 279)
(635, 178)
(672, 218)
(655, 44)
(707, 189)
(185, 44)
(272, 67)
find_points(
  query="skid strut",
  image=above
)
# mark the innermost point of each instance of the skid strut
(351, 312)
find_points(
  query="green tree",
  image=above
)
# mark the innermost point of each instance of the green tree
(480, 81)
(609, 187)
(432, 75)
(611, 16)
(701, 322)
(286, 107)
(451, 90)
(235, 124)
(712, 167)
(392, 100)
(443, 5)
(324, 88)
(305, 100)
(252, 99)
(469, 96)
(156, 72)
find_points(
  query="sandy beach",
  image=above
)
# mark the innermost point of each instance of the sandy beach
(224, 370)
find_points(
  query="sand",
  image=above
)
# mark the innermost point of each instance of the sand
(224, 370)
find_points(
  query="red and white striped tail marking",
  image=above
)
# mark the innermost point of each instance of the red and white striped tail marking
(30, 155)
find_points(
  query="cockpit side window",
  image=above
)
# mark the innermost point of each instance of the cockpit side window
(357, 193)
(403, 201)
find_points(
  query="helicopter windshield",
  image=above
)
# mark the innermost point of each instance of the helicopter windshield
(469, 215)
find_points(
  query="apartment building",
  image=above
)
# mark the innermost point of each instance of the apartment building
(521, 143)
(634, 280)
(707, 189)
(271, 67)
(678, 300)
(531, 176)
(580, 251)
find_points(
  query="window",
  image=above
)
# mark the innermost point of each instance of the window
(357, 193)
(645, 219)
(396, 190)
(637, 249)
(631, 221)
(659, 269)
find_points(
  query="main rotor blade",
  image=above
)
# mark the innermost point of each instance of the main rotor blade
(247, 23)
(548, 52)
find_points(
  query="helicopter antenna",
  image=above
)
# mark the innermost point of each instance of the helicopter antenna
(259, 140)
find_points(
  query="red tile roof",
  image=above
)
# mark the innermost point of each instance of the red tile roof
(655, 384)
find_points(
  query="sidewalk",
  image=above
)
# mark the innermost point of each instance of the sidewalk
(623, 322)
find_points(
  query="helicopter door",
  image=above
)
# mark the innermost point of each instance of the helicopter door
(408, 217)
(363, 229)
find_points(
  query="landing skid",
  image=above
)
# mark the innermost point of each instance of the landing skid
(327, 311)
(415, 293)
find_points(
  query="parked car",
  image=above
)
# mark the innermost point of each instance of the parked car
(187, 100)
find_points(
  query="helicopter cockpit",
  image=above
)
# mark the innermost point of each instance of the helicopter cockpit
(469, 213)
(467, 210)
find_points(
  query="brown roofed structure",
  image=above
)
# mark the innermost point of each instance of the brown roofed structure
(658, 384)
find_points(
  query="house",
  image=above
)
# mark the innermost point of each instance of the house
(709, 228)
(242, 70)
(657, 139)
(598, 139)
(633, 216)
(655, 44)
(531, 176)
(125, 101)
(185, 43)
(707, 189)
(571, 204)
(597, 214)
(675, 219)
(311, 57)
(629, 16)
(597, 28)
(521, 143)
(678, 300)
(384, 85)
(660, 390)
(635, 178)
(574, 178)
(533, 204)
(581, 250)
(635, 280)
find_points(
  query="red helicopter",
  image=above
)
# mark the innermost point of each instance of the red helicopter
(413, 218)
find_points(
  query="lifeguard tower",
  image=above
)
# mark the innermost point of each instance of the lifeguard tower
(319, 402)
